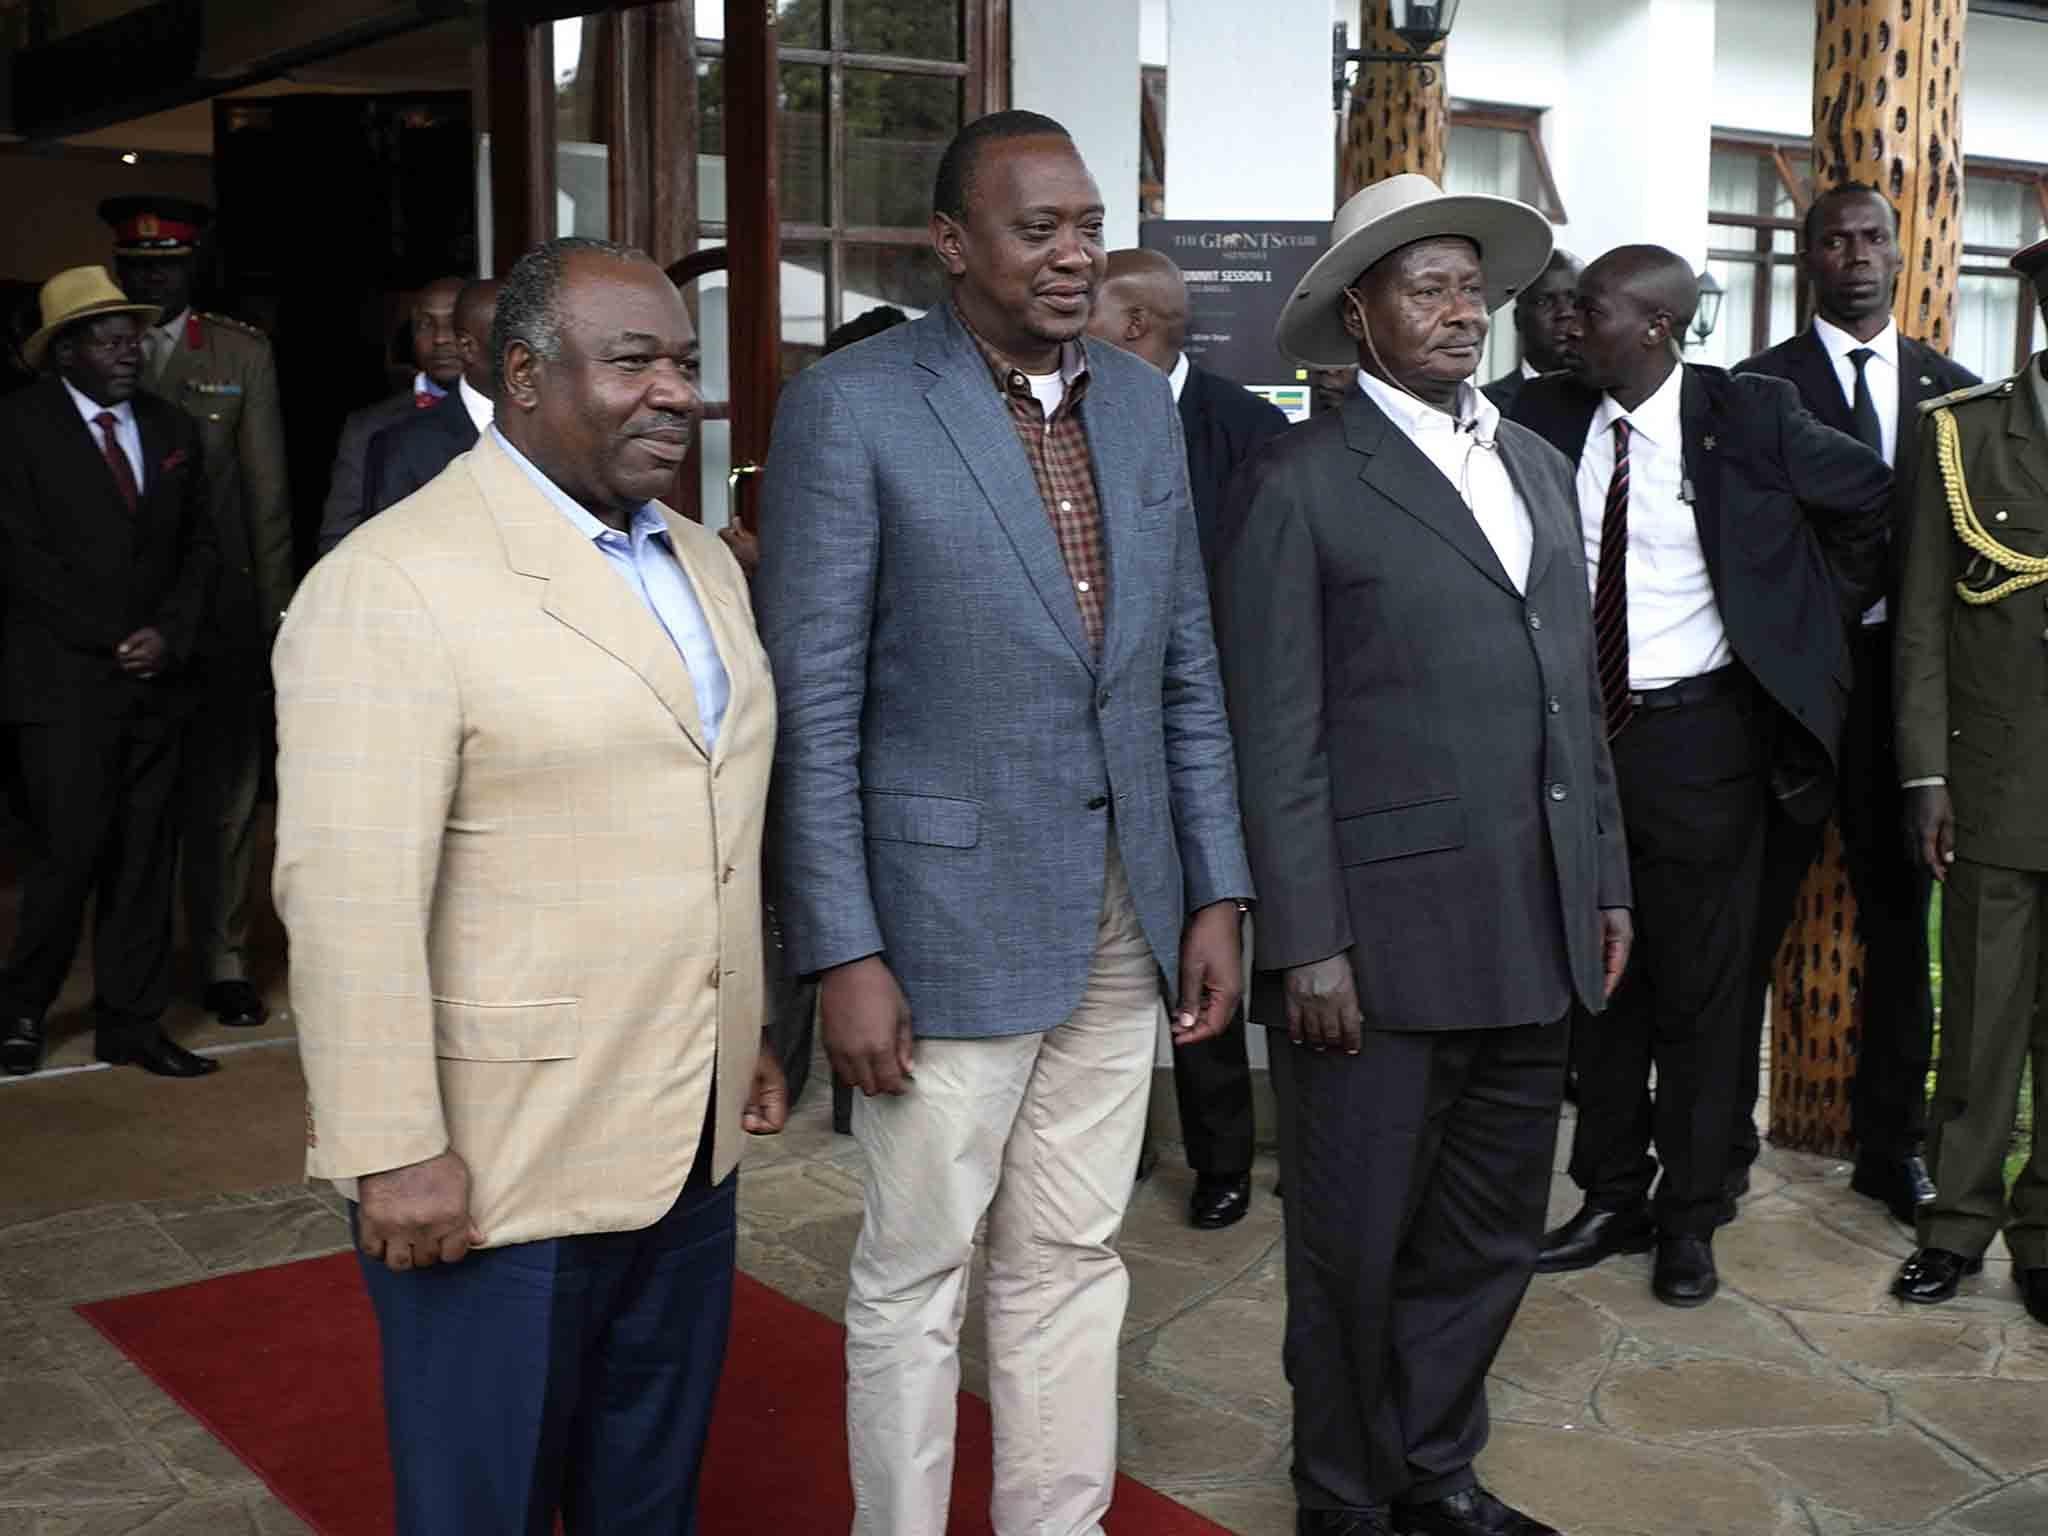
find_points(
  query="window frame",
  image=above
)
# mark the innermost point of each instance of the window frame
(1996, 261)
(1525, 123)
(1760, 247)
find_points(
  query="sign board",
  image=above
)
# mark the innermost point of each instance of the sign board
(1240, 273)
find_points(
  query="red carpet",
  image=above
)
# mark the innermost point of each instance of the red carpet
(281, 1364)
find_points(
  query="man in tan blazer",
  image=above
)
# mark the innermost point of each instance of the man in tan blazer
(524, 740)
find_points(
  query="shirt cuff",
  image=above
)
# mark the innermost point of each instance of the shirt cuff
(1936, 782)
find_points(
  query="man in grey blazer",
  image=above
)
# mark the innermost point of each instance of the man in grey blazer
(1006, 805)
(1432, 823)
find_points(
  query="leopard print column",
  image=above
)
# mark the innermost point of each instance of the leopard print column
(1887, 112)
(1396, 121)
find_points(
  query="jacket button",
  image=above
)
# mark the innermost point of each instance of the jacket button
(1535, 620)
(1557, 791)
(1102, 699)
(1555, 707)
(728, 875)
(1098, 802)
(713, 982)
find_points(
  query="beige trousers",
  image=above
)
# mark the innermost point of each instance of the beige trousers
(1040, 1133)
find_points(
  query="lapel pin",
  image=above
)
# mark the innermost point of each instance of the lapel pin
(1924, 379)
(1709, 442)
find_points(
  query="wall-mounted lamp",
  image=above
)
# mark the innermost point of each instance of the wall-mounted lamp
(1708, 314)
(1421, 24)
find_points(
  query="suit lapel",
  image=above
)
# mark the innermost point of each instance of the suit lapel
(965, 400)
(583, 592)
(1547, 532)
(1399, 471)
(1112, 440)
(1817, 383)
(1701, 431)
(81, 440)
(154, 446)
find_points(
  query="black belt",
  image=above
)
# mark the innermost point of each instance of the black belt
(1693, 690)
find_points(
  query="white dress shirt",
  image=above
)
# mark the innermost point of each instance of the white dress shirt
(1462, 447)
(481, 411)
(1177, 376)
(1882, 372)
(126, 432)
(1674, 621)
(1530, 370)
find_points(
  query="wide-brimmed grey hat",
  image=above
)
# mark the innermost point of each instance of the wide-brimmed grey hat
(1514, 243)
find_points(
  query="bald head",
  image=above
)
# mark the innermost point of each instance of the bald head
(476, 308)
(434, 351)
(1659, 281)
(1142, 306)
(1634, 305)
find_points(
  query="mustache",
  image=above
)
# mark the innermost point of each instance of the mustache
(662, 424)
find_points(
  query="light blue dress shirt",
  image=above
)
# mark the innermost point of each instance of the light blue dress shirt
(648, 566)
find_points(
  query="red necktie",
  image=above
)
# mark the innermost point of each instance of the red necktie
(422, 401)
(117, 460)
(1610, 591)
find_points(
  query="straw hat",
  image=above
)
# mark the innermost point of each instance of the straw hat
(1514, 244)
(82, 293)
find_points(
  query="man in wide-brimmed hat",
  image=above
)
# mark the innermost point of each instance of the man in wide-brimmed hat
(1407, 647)
(107, 560)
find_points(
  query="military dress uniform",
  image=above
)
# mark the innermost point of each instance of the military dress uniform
(1972, 710)
(221, 373)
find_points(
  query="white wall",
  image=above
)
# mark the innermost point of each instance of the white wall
(1077, 60)
(2005, 66)
(1249, 130)
(1763, 66)
(1511, 52)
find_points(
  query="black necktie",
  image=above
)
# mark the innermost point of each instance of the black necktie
(1864, 409)
(1610, 589)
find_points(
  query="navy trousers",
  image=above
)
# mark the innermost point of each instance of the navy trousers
(574, 1376)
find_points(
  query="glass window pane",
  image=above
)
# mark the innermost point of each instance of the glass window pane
(1731, 182)
(909, 29)
(804, 134)
(897, 127)
(582, 186)
(711, 141)
(907, 276)
(1984, 324)
(1729, 344)
(804, 320)
(1497, 161)
(801, 23)
(1995, 212)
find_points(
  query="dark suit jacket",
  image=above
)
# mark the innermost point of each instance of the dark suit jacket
(1423, 772)
(1504, 390)
(1224, 424)
(1923, 374)
(343, 508)
(1791, 517)
(82, 573)
(412, 450)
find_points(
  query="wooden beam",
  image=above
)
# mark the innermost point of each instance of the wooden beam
(521, 63)
(753, 225)
(672, 113)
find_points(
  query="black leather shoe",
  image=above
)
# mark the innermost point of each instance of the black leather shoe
(1932, 1275)
(21, 1046)
(1685, 1275)
(1593, 1235)
(1340, 1522)
(1900, 1184)
(2033, 1284)
(1473, 1512)
(162, 1056)
(235, 1003)
(1219, 1200)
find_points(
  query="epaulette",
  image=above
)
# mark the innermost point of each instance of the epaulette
(1996, 389)
(229, 322)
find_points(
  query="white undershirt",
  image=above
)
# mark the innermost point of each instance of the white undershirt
(1051, 389)
(478, 405)
(1463, 448)
(1177, 376)
(126, 432)
(1882, 374)
(1674, 622)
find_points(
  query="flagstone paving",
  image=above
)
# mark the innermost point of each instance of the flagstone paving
(1802, 1402)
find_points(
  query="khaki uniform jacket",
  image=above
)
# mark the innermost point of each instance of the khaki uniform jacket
(1972, 680)
(227, 383)
(523, 902)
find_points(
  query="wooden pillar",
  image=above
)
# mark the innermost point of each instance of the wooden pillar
(1887, 112)
(1396, 120)
(753, 230)
(520, 60)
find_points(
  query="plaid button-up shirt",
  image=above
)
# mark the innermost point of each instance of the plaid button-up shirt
(1058, 451)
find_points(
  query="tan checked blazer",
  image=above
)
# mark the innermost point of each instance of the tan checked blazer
(524, 907)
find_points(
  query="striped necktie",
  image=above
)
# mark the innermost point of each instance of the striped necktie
(1610, 590)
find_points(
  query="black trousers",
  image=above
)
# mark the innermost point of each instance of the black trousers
(1417, 1175)
(1896, 1047)
(1212, 1082)
(1695, 795)
(97, 798)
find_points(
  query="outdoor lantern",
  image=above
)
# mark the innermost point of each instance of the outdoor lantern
(1421, 24)
(1708, 315)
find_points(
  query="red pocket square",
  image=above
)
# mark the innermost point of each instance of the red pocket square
(173, 461)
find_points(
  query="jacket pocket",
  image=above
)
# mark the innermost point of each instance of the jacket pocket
(1426, 826)
(936, 820)
(543, 1031)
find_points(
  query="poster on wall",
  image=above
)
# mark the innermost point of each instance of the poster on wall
(1239, 274)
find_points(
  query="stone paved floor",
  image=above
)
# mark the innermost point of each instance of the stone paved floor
(1802, 1401)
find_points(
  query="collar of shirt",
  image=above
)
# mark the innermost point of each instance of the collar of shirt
(172, 327)
(481, 411)
(1839, 344)
(1475, 412)
(1657, 418)
(1529, 371)
(89, 408)
(647, 522)
(1177, 376)
(1012, 380)
(422, 385)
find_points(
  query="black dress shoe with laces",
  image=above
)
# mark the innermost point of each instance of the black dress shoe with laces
(160, 1056)
(1685, 1275)
(2033, 1284)
(1900, 1184)
(1472, 1512)
(1593, 1235)
(1932, 1275)
(21, 1046)
(235, 1003)
(1219, 1200)
(1340, 1522)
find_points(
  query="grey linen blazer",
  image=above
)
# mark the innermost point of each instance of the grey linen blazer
(954, 758)
(1425, 770)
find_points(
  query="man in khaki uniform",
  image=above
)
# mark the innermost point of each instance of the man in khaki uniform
(220, 372)
(1972, 650)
